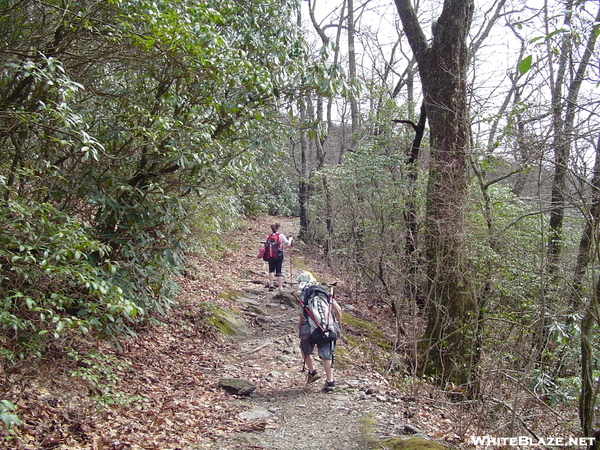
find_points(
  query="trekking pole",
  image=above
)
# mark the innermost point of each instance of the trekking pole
(331, 299)
(331, 286)
(292, 263)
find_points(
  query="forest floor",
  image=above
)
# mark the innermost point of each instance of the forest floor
(160, 388)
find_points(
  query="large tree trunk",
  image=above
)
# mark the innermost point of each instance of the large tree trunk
(451, 334)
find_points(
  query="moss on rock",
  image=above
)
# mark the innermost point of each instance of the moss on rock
(367, 328)
(287, 299)
(228, 322)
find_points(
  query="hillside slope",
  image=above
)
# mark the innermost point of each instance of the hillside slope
(160, 389)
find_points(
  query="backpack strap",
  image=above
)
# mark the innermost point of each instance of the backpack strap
(307, 312)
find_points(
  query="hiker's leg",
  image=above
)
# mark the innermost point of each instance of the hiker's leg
(328, 369)
(279, 274)
(307, 349)
(326, 354)
(308, 360)
(271, 273)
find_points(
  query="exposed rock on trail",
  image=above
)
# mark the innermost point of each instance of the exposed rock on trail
(164, 389)
(287, 414)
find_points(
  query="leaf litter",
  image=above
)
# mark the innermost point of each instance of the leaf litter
(159, 389)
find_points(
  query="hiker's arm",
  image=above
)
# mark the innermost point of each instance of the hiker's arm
(337, 311)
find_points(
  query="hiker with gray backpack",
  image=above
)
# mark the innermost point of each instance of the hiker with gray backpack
(318, 325)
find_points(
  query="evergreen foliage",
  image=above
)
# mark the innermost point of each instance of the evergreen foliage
(122, 124)
(134, 130)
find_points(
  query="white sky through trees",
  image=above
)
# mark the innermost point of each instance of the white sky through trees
(520, 31)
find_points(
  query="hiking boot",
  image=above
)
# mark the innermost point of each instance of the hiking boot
(312, 377)
(329, 386)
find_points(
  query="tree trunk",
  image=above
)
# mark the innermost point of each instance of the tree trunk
(303, 186)
(587, 238)
(563, 128)
(410, 213)
(589, 385)
(561, 149)
(352, 70)
(450, 336)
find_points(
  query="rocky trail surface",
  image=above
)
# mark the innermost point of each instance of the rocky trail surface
(160, 389)
(289, 414)
(284, 412)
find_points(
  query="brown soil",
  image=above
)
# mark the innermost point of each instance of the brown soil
(159, 389)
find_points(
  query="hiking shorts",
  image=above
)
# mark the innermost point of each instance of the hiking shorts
(325, 351)
(275, 266)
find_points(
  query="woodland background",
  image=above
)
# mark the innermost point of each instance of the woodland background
(444, 155)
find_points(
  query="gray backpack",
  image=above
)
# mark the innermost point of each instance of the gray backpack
(318, 309)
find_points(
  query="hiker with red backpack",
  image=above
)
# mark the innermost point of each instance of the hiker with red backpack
(273, 254)
(319, 325)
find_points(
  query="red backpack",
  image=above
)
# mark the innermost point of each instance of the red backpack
(272, 248)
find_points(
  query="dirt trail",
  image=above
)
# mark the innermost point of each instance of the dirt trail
(285, 413)
(167, 396)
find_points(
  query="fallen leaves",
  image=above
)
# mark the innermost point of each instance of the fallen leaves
(168, 399)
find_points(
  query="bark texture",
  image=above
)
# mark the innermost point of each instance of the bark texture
(451, 350)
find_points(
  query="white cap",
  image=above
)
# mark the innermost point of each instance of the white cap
(305, 279)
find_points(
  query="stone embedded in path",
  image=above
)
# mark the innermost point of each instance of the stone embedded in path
(255, 413)
(286, 359)
(227, 322)
(339, 400)
(248, 300)
(237, 386)
(411, 429)
(286, 299)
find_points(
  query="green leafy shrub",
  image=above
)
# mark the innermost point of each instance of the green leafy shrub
(108, 160)
(6, 414)
(56, 278)
(281, 198)
(213, 217)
